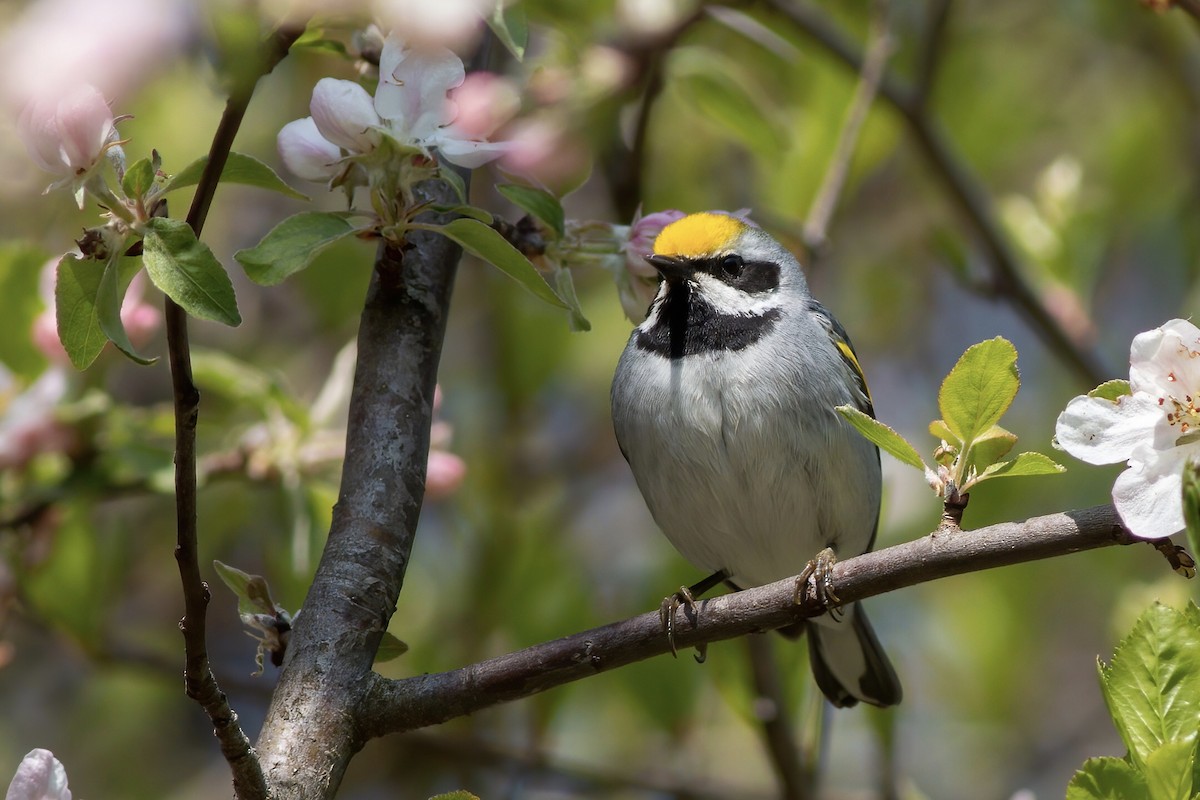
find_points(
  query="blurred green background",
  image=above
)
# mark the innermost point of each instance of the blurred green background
(1080, 120)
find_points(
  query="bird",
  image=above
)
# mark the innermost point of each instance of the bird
(723, 404)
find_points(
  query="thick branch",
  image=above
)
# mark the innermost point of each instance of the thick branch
(962, 187)
(392, 706)
(310, 731)
(199, 681)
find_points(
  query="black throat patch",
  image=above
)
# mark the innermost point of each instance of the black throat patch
(688, 325)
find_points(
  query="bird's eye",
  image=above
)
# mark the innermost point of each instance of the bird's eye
(731, 265)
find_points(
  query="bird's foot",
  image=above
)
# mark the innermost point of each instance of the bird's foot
(820, 571)
(666, 613)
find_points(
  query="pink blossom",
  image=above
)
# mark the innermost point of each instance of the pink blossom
(444, 474)
(67, 135)
(28, 424)
(484, 102)
(450, 23)
(544, 151)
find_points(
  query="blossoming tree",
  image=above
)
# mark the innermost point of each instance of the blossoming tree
(427, 160)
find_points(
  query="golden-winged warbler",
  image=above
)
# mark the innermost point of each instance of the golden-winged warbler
(723, 404)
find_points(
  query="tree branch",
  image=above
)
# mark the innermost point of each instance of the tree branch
(391, 706)
(963, 189)
(311, 730)
(816, 228)
(199, 681)
(796, 781)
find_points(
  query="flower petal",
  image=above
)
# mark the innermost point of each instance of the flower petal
(85, 124)
(470, 154)
(1101, 431)
(412, 88)
(1166, 361)
(345, 114)
(40, 776)
(38, 128)
(1148, 495)
(307, 153)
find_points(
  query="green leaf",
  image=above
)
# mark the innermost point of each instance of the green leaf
(389, 648)
(465, 210)
(455, 181)
(315, 39)
(247, 385)
(1111, 390)
(240, 168)
(1169, 771)
(980, 388)
(883, 437)
(1023, 465)
(564, 285)
(139, 178)
(1107, 778)
(537, 202)
(941, 430)
(252, 592)
(510, 26)
(1152, 684)
(989, 447)
(187, 271)
(21, 268)
(292, 245)
(109, 297)
(460, 794)
(482, 241)
(75, 292)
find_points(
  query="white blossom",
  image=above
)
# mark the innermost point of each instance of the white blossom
(40, 776)
(1156, 429)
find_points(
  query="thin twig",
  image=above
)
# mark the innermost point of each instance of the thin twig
(816, 228)
(963, 188)
(201, 685)
(1191, 7)
(391, 706)
(795, 781)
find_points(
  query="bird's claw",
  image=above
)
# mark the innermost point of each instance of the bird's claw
(820, 571)
(666, 613)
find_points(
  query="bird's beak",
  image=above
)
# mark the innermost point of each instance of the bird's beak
(672, 269)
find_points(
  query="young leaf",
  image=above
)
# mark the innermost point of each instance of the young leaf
(564, 286)
(1111, 390)
(883, 437)
(465, 210)
(980, 388)
(1169, 770)
(941, 430)
(1107, 778)
(460, 794)
(292, 245)
(109, 297)
(389, 648)
(240, 168)
(508, 23)
(539, 203)
(480, 240)
(989, 447)
(1023, 465)
(254, 597)
(1152, 684)
(75, 291)
(187, 271)
(139, 178)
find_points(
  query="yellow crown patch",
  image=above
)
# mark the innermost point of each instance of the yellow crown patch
(698, 235)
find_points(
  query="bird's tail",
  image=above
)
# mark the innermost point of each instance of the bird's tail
(849, 663)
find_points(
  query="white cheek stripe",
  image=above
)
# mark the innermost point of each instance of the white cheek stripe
(720, 295)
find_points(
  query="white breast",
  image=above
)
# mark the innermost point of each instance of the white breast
(742, 460)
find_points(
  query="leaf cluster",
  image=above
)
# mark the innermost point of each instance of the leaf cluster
(1152, 689)
(973, 397)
